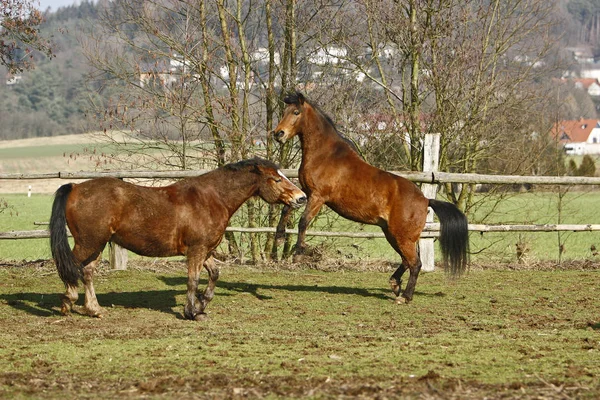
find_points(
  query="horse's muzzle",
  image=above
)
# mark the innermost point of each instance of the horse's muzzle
(279, 136)
(299, 202)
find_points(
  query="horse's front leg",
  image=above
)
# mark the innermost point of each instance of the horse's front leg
(286, 212)
(213, 276)
(313, 207)
(193, 307)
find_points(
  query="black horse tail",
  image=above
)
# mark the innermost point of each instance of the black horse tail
(69, 269)
(454, 236)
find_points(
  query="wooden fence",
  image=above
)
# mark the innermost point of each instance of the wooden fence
(431, 229)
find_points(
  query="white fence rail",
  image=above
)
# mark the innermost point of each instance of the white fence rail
(415, 176)
(431, 229)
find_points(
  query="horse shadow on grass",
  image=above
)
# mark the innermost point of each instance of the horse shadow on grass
(383, 293)
(48, 304)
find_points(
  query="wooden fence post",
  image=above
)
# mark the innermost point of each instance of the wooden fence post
(117, 256)
(431, 158)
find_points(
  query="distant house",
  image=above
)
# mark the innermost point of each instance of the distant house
(13, 79)
(591, 71)
(158, 73)
(590, 85)
(578, 137)
(583, 54)
(328, 56)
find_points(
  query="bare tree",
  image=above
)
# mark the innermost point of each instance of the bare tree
(472, 71)
(198, 84)
(19, 38)
(189, 82)
(20, 35)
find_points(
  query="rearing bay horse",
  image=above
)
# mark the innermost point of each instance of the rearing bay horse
(332, 173)
(186, 218)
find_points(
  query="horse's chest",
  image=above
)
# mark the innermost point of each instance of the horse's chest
(312, 178)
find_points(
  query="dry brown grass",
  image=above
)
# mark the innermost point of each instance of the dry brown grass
(37, 162)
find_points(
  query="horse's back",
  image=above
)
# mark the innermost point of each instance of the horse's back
(146, 220)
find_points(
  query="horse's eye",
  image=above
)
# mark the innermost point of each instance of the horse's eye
(277, 180)
(296, 112)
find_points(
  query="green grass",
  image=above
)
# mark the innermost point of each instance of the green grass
(282, 334)
(23, 211)
(577, 207)
(526, 208)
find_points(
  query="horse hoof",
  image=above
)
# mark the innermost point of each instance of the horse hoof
(299, 258)
(201, 317)
(401, 300)
(279, 240)
(96, 313)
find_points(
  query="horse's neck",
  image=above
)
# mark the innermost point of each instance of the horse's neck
(319, 137)
(235, 187)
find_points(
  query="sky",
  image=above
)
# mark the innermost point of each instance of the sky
(54, 4)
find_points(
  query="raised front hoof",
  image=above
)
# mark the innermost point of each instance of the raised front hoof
(279, 239)
(396, 287)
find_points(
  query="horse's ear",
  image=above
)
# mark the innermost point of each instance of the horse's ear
(301, 98)
(256, 169)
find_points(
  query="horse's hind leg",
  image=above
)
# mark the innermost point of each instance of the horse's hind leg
(194, 307)
(410, 260)
(91, 305)
(90, 258)
(396, 280)
(69, 299)
(213, 276)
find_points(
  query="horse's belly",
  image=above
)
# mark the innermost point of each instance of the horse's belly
(148, 245)
(364, 215)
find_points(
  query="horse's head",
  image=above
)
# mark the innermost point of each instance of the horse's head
(275, 187)
(291, 122)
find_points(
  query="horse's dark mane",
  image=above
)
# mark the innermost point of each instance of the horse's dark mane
(296, 97)
(250, 163)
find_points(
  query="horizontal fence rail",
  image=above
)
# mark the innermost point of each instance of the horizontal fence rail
(415, 176)
(430, 231)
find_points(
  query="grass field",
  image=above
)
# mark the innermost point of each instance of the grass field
(328, 329)
(277, 333)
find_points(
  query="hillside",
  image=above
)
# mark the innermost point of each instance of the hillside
(54, 98)
(51, 99)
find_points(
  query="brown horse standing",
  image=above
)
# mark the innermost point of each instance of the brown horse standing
(332, 173)
(186, 218)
